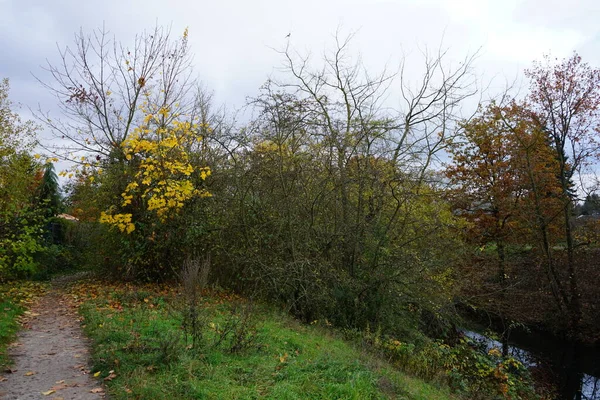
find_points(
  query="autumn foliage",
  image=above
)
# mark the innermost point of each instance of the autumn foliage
(161, 181)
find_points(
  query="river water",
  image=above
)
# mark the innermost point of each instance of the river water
(575, 369)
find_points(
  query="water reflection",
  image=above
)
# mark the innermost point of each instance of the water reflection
(590, 387)
(575, 368)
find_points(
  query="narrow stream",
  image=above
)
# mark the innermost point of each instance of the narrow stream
(574, 368)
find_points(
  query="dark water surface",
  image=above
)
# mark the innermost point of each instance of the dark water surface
(574, 368)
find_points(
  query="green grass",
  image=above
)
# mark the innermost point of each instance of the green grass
(141, 340)
(9, 326)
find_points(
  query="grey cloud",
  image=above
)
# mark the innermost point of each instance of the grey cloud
(233, 39)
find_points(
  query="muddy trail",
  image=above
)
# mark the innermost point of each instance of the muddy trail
(50, 355)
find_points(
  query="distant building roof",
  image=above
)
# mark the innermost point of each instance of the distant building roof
(67, 217)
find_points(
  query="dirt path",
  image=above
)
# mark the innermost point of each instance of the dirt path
(50, 355)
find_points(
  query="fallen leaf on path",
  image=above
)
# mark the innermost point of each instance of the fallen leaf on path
(29, 373)
(61, 381)
(97, 390)
(97, 374)
(48, 393)
(2, 379)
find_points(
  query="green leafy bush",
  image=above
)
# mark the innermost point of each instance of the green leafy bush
(466, 367)
(20, 242)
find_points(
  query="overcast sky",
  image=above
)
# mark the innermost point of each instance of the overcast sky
(233, 40)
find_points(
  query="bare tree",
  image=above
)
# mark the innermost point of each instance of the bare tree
(352, 105)
(432, 107)
(346, 105)
(349, 107)
(103, 89)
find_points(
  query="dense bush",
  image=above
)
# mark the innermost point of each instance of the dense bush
(20, 245)
(324, 202)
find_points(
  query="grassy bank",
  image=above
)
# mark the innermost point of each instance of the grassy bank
(241, 351)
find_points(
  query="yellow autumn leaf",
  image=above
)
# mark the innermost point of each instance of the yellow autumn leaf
(48, 392)
(97, 374)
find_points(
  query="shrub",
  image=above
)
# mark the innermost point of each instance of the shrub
(20, 243)
(466, 367)
(194, 276)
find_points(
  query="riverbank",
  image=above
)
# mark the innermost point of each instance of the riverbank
(571, 367)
